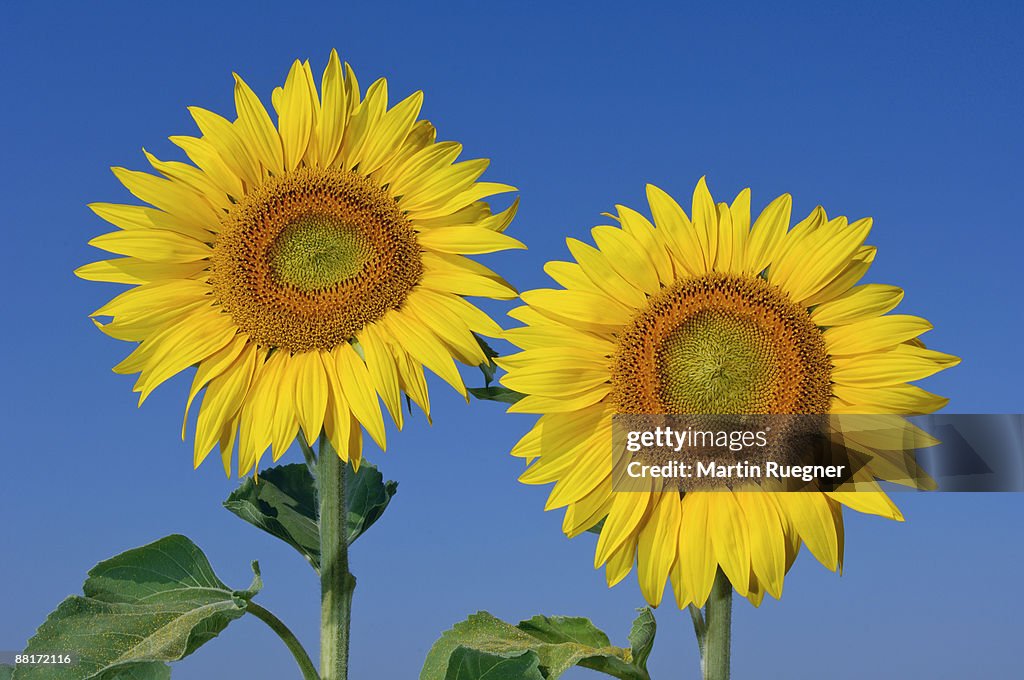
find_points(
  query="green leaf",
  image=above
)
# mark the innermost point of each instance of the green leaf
(489, 368)
(496, 393)
(367, 496)
(139, 671)
(559, 643)
(6, 672)
(467, 664)
(641, 636)
(144, 607)
(284, 504)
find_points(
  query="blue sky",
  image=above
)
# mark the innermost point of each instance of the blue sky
(908, 112)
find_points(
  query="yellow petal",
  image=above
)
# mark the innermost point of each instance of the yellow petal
(725, 238)
(460, 308)
(678, 231)
(412, 380)
(705, 223)
(628, 508)
(390, 133)
(223, 399)
(845, 279)
(296, 115)
(579, 305)
(363, 120)
(334, 111)
(381, 364)
(696, 551)
(209, 160)
(460, 199)
(219, 133)
(210, 368)
(311, 392)
(813, 520)
(728, 528)
(899, 398)
(656, 546)
(153, 245)
(621, 561)
(860, 302)
(903, 363)
(424, 170)
(284, 420)
(194, 216)
(589, 510)
(421, 343)
(196, 180)
(874, 334)
(590, 465)
(805, 270)
(255, 121)
(534, 403)
(869, 502)
(599, 270)
(134, 271)
(767, 543)
(338, 420)
(360, 392)
(627, 257)
(767, 234)
(193, 339)
(739, 216)
(468, 240)
(150, 297)
(256, 426)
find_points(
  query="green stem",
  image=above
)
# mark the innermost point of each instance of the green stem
(307, 453)
(699, 630)
(336, 583)
(718, 629)
(292, 642)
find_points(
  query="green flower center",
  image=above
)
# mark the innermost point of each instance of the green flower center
(717, 362)
(317, 252)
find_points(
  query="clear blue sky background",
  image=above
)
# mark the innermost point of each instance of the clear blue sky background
(909, 112)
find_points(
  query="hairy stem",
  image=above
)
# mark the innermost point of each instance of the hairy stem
(336, 583)
(718, 629)
(292, 642)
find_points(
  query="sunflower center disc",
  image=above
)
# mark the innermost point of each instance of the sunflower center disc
(722, 344)
(306, 260)
(318, 252)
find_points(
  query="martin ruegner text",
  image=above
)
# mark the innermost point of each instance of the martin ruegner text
(711, 470)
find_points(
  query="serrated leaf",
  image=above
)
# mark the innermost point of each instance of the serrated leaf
(641, 636)
(472, 664)
(559, 643)
(284, 504)
(146, 606)
(496, 393)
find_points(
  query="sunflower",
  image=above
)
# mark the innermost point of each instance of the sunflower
(305, 268)
(707, 314)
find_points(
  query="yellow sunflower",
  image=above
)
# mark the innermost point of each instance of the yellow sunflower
(305, 267)
(709, 314)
